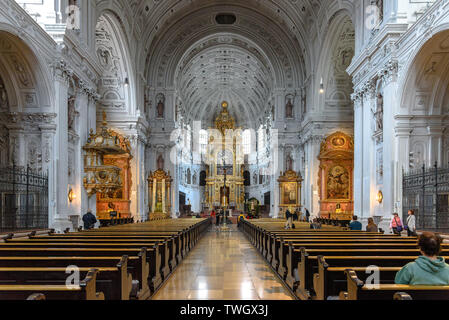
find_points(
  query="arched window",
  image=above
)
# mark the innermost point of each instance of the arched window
(246, 141)
(203, 141)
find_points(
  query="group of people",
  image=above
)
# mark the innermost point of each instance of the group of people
(220, 216)
(396, 225)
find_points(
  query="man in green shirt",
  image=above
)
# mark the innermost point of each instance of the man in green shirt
(428, 269)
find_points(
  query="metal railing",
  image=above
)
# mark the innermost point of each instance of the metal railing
(23, 199)
(426, 191)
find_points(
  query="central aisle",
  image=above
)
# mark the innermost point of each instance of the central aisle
(223, 266)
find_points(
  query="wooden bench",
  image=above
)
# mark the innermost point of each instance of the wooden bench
(357, 290)
(346, 262)
(137, 266)
(115, 282)
(153, 260)
(158, 254)
(86, 290)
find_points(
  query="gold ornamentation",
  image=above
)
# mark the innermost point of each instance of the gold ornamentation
(99, 177)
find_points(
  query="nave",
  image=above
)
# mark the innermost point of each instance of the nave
(223, 266)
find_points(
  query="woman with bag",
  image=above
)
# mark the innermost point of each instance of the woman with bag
(411, 224)
(396, 224)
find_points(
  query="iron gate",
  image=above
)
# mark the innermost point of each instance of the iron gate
(427, 192)
(23, 199)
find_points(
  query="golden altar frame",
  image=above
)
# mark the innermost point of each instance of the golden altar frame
(290, 184)
(159, 188)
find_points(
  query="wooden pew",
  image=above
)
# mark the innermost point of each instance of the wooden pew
(293, 259)
(172, 253)
(326, 280)
(347, 262)
(158, 253)
(357, 290)
(114, 282)
(168, 242)
(154, 266)
(85, 291)
(137, 266)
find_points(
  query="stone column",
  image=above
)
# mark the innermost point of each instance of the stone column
(48, 132)
(358, 154)
(62, 75)
(369, 153)
(402, 134)
(435, 145)
(391, 169)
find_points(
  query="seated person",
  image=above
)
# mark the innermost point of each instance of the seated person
(371, 227)
(355, 225)
(428, 269)
(315, 224)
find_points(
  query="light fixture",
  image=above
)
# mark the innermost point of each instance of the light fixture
(321, 86)
(380, 197)
(71, 195)
(126, 82)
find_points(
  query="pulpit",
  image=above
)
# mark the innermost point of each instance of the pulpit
(159, 187)
(289, 191)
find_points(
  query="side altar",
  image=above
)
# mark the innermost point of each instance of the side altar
(159, 188)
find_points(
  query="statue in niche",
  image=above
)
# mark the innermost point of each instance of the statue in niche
(21, 72)
(303, 103)
(160, 162)
(71, 112)
(160, 109)
(346, 56)
(3, 96)
(289, 163)
(380, 112)
(104, 57)
(289, 109)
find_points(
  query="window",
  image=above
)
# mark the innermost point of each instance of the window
(246, 140)
(203, 141)
(188, 139)
(261, 140)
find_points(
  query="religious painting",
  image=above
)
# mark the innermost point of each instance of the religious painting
(338, 183)
(290, 190)
(289, 195)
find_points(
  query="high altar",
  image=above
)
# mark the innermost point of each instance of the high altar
(225, 160)
(289, 191)
(159, 187)
(336, 177)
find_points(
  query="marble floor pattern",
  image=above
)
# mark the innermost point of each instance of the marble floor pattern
(223, 266)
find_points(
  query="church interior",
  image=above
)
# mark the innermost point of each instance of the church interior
(223, 150)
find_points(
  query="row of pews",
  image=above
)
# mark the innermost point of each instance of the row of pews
(115, 221)
(120, 262)
(334, 263)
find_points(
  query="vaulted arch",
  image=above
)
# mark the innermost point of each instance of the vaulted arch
(116, 86)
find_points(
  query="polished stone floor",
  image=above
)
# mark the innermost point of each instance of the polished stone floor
(223, 266)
